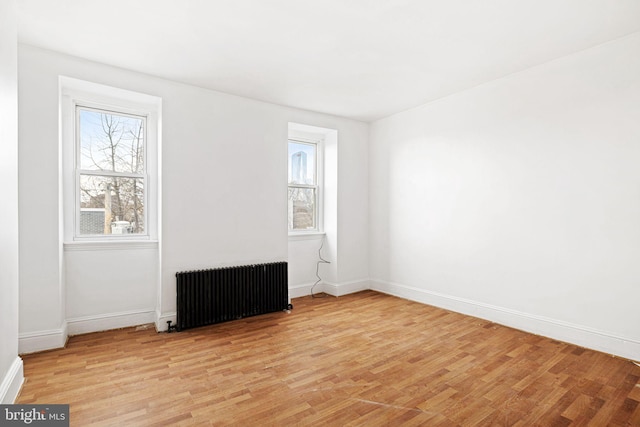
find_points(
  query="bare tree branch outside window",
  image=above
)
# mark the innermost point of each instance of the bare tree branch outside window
(112, 172)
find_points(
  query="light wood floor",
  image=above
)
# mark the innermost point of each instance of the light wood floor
(362, 359)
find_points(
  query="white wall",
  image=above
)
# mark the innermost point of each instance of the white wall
(519, 200)
(110, 288)
(302, 272)
(11, 372)
(224, 175)
(42, 299)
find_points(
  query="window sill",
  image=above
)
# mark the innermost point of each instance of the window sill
(311, 235)
(110, 245)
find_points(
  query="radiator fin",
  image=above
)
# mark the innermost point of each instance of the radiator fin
(205, 297)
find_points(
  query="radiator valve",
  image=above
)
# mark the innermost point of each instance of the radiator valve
(171, 327)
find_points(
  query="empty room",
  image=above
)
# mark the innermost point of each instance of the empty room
(407, 212)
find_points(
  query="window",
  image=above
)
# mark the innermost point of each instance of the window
(304, 191)
(110, 162)
(110, 171)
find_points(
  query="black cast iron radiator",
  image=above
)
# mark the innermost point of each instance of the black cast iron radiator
(218, 295)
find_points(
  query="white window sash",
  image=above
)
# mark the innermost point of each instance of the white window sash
(317, 186)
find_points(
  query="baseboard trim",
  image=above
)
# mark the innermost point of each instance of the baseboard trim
(334, 289)
(12, 382)
(104, 322)
(539, 325)
(31, 342)
(345, 288)
(299, 291)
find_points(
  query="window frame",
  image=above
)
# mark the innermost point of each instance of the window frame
(318, 142)
(76, 95)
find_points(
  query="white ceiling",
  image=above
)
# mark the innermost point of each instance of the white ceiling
(363, 59)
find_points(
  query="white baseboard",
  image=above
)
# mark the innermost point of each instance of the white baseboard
(104, 322)
(299, 291)
(335, 289)
(345, 288)
(552, 328)
(12, 382)
(30, 342)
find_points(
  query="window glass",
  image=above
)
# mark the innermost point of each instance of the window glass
(110, 141)
(303, 189)
(303, 208)
(302, 163)
(110, 152)
(111, 205)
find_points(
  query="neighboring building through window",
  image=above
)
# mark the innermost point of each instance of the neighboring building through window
(304, 191)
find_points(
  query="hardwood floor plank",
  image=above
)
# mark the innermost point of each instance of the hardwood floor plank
(362, 359)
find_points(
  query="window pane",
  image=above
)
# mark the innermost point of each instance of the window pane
(302, 208)
(111, 142)
(111, 205)
(302, 163)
